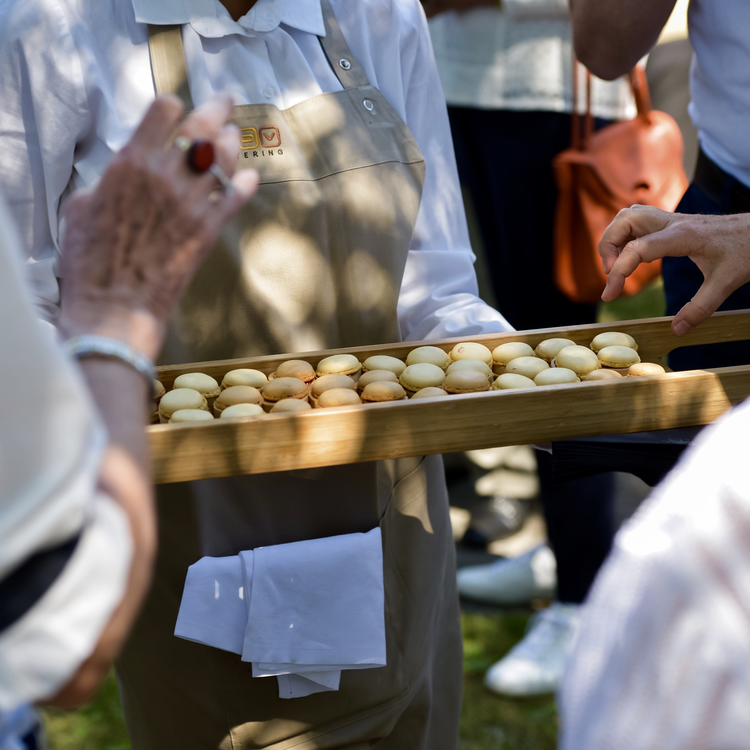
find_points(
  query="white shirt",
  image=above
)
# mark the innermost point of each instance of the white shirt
(51, 443)
(75, 79)
(720, 82)
(518, 57)
(663, 653)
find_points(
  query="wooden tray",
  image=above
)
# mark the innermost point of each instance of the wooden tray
(350, 434)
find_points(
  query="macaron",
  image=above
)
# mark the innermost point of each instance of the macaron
(383, 390)
(475, 365)
(580, 359)
(384, 362)
(645, 368)
(549, 348)
(295, 368)
(556, 375)
(181, 398)
(376, 376)
(599, 375)
(428, 355)
(618, 357)
(510, 380)
(337, 397)
(190, 415)
(246, 410)
(612, 338)
(327, 382)
(530, 367)
(290, 404)
(237, 394)
(339, 364)
(504, 353)
(200, 382)
(429, 392)
(466, 381)
(281, 388)
(159, 390)
(471, 350)
(242, 376)
(421, 375)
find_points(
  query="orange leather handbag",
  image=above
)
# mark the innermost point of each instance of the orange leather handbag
(633, 161)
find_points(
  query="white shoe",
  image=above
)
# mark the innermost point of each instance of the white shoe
(518, 580)
(535, 665)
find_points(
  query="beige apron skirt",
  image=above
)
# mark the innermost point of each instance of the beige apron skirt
(315, 261)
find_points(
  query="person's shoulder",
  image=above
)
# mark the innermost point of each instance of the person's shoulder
(383, 14)
(24, 19)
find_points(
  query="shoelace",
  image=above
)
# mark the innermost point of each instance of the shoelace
(543, 631)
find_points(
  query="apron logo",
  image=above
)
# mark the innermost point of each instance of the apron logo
(248, 139)
(270, 137)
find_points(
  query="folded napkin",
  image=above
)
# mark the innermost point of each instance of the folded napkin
(300, 612)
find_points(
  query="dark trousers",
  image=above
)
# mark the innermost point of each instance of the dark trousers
(504, 161)
(682, 278)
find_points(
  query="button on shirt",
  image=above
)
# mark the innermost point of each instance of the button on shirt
(75, 80)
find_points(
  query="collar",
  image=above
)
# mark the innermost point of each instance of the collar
(210, 18)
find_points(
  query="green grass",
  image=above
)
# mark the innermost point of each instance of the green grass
(649, 303)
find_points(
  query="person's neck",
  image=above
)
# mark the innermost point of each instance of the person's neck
(238, 8)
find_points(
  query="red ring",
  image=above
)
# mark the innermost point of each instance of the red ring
(200, 156)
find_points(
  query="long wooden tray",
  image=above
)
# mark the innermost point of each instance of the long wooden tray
(328, 437)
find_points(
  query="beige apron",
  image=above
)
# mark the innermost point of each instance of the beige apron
(314, 262)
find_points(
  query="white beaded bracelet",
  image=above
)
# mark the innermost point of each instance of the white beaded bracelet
(81, 347)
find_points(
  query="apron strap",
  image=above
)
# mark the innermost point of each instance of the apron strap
(349, 72)
(168, 63)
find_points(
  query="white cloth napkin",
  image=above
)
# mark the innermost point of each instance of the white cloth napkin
(300, 612)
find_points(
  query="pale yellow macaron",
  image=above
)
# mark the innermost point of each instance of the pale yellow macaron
(339, 364)
(328, 382)
(200, 382)
(600, 375)
(510, 380)
(504, 353)
(429, 392)
(475, 365)
(159, 390)
(181, 416)
(612, 338)
(428, 355)
(290, 404)
(337, 397)
(548, 349)
(645, 368)
(383, 390)
(384, 362)
(247, 410)
(281, 388)
(466, 381)
(243, 376)
(555, 376)
(181, 398)
(421, 375)
(237, 394)
(295, 368)
(618, 357)
(530, 367)
(471, 350)
(580, 359)
(376, 376)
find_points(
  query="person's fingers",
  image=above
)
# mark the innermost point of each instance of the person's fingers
(158, 124)
(705, 303)
(629, 223)
(244, 186)
(226, 146)
(208, 120)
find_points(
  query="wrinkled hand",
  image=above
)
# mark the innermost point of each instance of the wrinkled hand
(133, 243)
(718, 245)
(433, 7)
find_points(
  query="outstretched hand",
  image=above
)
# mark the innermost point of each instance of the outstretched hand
(718, 245)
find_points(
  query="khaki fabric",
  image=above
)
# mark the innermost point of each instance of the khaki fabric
(315, 261)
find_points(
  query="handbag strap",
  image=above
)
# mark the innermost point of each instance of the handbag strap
(638, 85)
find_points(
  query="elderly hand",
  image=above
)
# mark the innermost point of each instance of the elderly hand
(718, 245)
(433, 7)
(133, 242)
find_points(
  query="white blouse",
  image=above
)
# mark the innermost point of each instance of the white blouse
(75, 79)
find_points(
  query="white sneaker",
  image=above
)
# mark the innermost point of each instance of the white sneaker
(518, 580)
(535, 665)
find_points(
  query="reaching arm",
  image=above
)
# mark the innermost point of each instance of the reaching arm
(611, 36)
